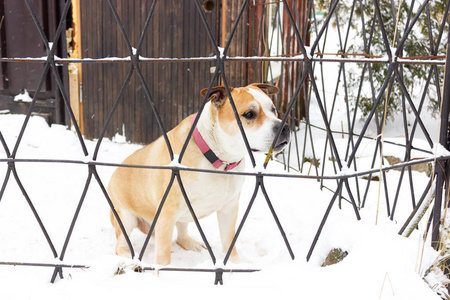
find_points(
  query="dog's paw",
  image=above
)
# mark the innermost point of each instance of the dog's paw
(235, 258)
(124, 252)
(189, 244)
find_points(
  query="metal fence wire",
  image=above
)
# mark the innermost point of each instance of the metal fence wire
(348, 183)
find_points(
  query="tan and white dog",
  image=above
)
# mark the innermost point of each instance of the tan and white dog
(136, 192)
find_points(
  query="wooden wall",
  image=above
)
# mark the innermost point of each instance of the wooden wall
(175, 31)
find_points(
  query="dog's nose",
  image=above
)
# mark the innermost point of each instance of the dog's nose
(284, 137)
(285, 131)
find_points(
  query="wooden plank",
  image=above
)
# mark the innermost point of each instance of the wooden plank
(97, 97)
(84, 17)
(255, 45)
(108, 94)
(3, 47)
(291, 70)
(131, 22)
(102, 100)
(74, 83)
(117, 69)
(236, 72)
(74, 88)
(126, 105)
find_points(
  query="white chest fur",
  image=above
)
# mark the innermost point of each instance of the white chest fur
(209, 193)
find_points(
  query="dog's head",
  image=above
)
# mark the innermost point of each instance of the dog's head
(257, 114)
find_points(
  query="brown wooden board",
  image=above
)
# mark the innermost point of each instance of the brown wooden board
(175, 31)
(291, 71)
(236, 72)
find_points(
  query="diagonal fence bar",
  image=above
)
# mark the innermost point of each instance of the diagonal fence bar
(308, 57)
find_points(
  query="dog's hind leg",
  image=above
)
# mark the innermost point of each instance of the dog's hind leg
(185, 241)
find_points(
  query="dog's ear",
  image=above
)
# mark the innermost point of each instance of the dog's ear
(217, 95)
(266, 88)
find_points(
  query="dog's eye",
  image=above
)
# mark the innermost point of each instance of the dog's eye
(249, 115)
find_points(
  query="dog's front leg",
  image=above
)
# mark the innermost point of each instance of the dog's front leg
(227, 224)
(163, 238)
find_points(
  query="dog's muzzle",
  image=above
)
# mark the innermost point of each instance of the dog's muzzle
(284, 137)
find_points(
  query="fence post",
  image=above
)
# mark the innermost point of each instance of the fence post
(442, 167)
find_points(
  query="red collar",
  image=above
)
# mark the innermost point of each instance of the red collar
(209, 154)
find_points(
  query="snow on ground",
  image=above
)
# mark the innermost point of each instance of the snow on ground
(380, 264)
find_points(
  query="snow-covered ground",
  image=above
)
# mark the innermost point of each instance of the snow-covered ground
(380, 264)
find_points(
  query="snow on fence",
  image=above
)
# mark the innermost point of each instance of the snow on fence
(351, 155)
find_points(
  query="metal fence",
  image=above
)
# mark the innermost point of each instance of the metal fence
(348, 183)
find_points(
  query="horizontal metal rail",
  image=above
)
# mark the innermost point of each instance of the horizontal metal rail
(49, 265)
(218, 271)
(300, 58)
(344, 175)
